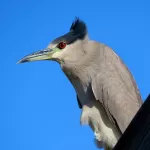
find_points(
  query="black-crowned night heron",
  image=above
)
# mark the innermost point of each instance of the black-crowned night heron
(106, 91)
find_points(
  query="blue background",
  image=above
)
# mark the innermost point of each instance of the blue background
(38, 107)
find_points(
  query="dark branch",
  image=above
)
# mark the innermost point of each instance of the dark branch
(137, 135)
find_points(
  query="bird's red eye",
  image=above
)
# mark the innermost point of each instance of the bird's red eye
(62, 45)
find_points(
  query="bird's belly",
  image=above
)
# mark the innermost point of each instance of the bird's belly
(96, 117)
(94, 114)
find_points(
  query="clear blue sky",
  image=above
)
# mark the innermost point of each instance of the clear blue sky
(38, 108)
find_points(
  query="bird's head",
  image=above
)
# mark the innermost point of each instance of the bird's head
(66, 47)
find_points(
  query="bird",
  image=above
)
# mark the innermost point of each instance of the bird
(106, 90)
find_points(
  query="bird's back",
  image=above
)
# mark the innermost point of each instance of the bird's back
(120, 97)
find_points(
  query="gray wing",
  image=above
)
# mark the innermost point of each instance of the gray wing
(116, 89)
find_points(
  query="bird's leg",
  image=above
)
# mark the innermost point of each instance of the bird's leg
(106, 147)
(97, 136)
(98, 139)
(86, 119)
(99, 144)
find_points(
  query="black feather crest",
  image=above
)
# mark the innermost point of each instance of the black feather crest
(79, 28)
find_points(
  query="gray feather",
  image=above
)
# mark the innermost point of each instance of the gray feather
(116, 89)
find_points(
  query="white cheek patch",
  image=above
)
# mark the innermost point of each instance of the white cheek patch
(62, 54)
(56, 55)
